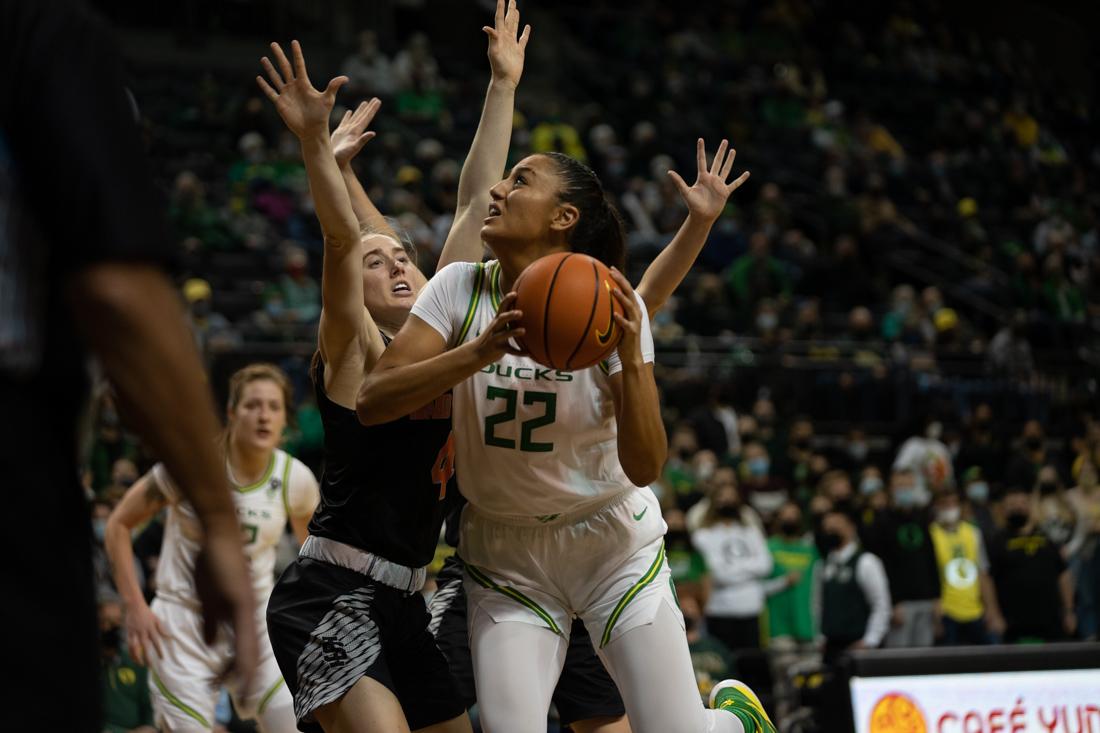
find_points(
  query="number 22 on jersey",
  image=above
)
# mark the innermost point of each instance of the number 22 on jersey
(548, 400)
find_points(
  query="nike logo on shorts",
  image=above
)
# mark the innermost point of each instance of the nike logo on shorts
(639, 515)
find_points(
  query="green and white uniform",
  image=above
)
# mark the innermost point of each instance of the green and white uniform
(180, 678)
(554, 528)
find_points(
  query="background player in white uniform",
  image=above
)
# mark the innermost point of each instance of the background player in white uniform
(272, 488)
(550, 462)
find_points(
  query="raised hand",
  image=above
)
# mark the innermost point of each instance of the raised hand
(304, 109)
(506, 51)
(707, 197)
(350, 136)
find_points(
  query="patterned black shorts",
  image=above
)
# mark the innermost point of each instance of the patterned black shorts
(330, 626)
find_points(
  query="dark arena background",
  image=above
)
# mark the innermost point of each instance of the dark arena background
(894, 325)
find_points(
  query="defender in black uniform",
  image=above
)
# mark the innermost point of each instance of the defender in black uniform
(348, 615)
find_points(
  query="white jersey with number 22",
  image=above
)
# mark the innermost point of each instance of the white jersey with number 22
(530, 441)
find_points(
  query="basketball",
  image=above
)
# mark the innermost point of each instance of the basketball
(567, 311)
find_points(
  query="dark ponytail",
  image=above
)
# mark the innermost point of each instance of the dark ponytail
(599, 231)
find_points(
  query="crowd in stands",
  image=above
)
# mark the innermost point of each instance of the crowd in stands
(882, 427)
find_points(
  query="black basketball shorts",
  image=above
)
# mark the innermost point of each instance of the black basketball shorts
(331, 626)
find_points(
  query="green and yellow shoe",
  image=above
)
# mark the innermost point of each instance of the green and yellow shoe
(736, 697)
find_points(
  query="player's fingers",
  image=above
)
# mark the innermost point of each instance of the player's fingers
(136, 650)
(525, 37)
(371, 110)
(625, 323)
(345, 118)
(728, 165)
(621, 281)
(505, 318)
(284, 64)
(267, 90)
(299, 60)
(272, 73)
(498, 18)
(701, 155)
(512, 18)
(716, 164)
(738, 181)
(334, 86)
(681, 184)
(364, 139)
(508, 300)
(630, 307)
(490, 32)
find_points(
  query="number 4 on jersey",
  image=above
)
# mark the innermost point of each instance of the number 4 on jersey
(444, 466)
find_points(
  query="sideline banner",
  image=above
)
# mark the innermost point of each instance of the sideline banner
(994, 702)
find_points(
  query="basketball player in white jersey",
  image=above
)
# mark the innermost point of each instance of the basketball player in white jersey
(272, 489)
(551, 463)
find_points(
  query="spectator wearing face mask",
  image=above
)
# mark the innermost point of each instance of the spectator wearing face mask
(976, 502)
(789, 590)
(855, 593)
(101, 564)
(969, 602)
(1058, 517)
(1034, 588)
(872, 496)
(737, 557)
(1031, 454)
(764, 492)
(900, 537)
(981, 446)
(685, 562)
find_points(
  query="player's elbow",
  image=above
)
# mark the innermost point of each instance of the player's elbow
(644, 468)
(369, 404)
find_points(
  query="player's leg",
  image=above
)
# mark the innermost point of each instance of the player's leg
(422, 678)
(639, 633)
(450, 628)
(327, 627)
(516, 666)
(652, 667)
(182, 677)
(367, 706)
(586, 697)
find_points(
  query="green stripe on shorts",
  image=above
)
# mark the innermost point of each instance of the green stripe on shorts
(484, 580)
(191, 712)
(269, 694)
(632, 594)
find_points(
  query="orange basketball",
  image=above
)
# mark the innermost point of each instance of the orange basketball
(567, 305)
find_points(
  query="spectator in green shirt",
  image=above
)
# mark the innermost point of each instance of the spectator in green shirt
(757, 275)
(126, 704)
(790, 588)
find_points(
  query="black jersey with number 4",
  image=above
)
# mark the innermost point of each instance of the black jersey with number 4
(384, 487)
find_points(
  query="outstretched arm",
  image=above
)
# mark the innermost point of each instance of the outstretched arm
(348, 139)
(488, 154)
(705, 201)
(345, 324)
